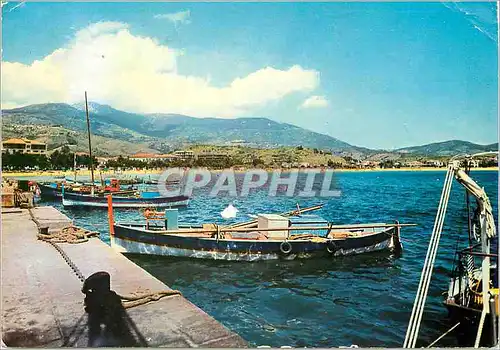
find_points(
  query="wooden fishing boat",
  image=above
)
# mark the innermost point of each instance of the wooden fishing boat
(95, 197)
(50, 190)
(167, 182)
(271, 236)
(54, 189)
(122, 201)
(472, 298)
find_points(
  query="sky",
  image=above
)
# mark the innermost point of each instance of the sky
(378, 75)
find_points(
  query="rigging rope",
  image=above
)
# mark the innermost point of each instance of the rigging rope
(419, 304)
(443, 335)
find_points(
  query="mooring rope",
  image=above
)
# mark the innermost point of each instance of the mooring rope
(69, 234)
(136, 300)
(419, 304)
(75, 235)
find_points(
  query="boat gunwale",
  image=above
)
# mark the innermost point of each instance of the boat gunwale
(142, 229)
(81, 197)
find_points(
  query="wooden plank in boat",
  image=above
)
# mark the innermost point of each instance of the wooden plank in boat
(209, 227)
(245, 235)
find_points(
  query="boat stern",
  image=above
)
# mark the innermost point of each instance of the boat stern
(397, 246)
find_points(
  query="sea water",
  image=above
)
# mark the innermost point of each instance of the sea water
(364, 300)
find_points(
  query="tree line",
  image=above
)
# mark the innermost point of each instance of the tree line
(62, 159)
(127, 163)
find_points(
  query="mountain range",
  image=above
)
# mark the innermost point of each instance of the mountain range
(60, 123)
(449, 148)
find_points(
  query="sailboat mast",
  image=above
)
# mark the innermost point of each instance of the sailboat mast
(90, 144)
(74, 164)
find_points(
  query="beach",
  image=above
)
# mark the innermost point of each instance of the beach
(142, 172)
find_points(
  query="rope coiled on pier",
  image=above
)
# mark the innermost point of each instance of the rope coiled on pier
(69, 234)
(74, 235)
(141, 299)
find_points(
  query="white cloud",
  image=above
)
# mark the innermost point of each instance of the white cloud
(315, 102)
(138, 74)
(99, 28)
(181, 17)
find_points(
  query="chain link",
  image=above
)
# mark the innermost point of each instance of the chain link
(127, 301)
(65, 256)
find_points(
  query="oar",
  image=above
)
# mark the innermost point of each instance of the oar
(272, 229)
(288, 213)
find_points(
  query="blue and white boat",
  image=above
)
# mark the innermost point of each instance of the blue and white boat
(121, 201)
(269, 237)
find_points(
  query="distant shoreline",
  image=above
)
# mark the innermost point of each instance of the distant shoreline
(97, 174)
(374, 170)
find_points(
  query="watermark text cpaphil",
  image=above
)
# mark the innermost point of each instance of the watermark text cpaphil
(291, 183)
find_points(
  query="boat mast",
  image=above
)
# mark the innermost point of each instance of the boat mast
(90, 144)
(74, 164)
(467, 201)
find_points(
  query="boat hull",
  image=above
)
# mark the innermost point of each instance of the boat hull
(49, 192)
(469, 324)
(140, 241)
(56, 192)
(74, 200)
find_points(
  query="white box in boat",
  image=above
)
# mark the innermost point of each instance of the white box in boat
(273, 221)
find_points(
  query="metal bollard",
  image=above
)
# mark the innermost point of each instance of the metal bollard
(96, 288)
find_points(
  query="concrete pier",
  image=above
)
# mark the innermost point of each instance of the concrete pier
(49, 217)
(43, 304)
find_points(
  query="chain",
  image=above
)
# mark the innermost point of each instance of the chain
(65, 256)
(127, 301)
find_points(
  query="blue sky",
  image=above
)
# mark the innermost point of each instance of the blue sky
(379, 75)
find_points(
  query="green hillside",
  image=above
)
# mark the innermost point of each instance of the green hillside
(176, 130)
(448, 148)
(56, 137)
(118, 132)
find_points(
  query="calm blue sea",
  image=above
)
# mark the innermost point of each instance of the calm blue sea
(364, 300)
